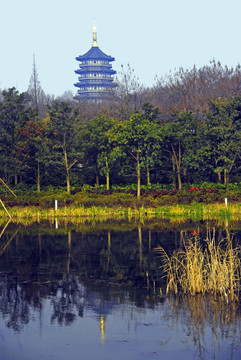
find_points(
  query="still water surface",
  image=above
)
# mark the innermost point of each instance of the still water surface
(95, 292)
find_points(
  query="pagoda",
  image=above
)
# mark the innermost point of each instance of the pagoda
(95, 73)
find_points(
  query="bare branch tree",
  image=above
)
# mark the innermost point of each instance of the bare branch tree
(193, 88)
(129, 92)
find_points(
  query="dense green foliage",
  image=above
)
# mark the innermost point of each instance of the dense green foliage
(172, 151)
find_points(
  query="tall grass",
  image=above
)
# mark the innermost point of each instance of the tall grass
(194, 210)
(210, 269)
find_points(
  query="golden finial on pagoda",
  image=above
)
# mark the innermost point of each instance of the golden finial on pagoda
(94, 44)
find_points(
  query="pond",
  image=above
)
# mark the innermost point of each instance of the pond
(96, 291)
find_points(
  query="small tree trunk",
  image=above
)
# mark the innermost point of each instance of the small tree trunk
(38, 178)
(68, 182)
(179, 167)
(67, 171)
(107, 181)
(97, 181)
(219, 177)
(177, 160)
(227, 180)
(16, 179)
(179, 179)
(218, 172)
(138, 171)
(225, 177)
(148, 175)
(173, 174)
(107, 174)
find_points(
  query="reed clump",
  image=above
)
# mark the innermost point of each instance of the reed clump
(208, 269)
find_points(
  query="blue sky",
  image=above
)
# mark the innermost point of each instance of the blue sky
(154, 37)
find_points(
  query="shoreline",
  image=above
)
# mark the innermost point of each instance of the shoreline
(200, 210)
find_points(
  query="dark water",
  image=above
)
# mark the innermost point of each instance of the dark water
(96, 292)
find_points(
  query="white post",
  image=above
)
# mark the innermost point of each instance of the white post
(226, 201)
(56, 205)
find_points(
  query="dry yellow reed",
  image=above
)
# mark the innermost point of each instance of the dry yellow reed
(214, 269)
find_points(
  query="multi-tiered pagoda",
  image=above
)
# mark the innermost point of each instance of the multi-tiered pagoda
(95, 73)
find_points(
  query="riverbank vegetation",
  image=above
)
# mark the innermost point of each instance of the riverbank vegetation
(123, 202)
(126, 196)
(184, 131)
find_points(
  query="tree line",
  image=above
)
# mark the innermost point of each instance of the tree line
(185, 130)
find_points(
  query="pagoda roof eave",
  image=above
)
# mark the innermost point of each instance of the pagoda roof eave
(106, 84)
(86, 71)
(95, 53)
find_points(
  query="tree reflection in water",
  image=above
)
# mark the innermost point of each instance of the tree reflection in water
(67, 301)
(105, 272)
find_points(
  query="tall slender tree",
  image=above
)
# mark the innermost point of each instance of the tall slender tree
(38, 99)
(63, 136)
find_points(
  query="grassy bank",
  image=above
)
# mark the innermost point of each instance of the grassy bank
(96, 203)
(193, 210)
